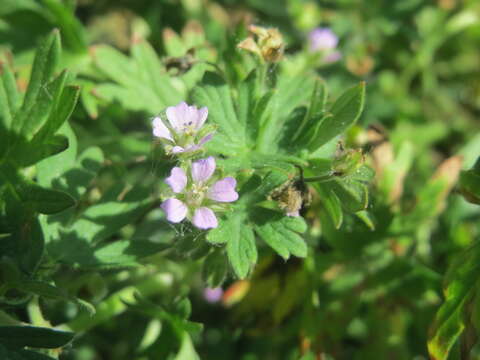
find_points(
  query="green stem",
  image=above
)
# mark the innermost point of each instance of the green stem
(35, 313)
(264, 129)
(262, 76)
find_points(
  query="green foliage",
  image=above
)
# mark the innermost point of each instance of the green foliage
(215, 269)
(35, 132)
(241, 248)
(215, 94)
(267, 111)
(470, 184)
(343, 113)
(37, 337)
(451, 319)
(136, 82)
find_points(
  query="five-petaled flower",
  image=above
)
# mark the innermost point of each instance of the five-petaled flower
(184, 131)
(196, 196)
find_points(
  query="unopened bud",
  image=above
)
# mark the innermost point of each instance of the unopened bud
(250, 45)
(272, 46)
(269, 45)
(348, 162)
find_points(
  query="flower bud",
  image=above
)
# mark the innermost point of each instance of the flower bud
(269, 45)
(348, 162)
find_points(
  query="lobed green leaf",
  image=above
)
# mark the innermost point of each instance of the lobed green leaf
(280, 232)
(152, 73)
(241, 248)
(214, 93)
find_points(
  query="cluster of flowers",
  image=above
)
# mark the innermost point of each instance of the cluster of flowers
(196, 191)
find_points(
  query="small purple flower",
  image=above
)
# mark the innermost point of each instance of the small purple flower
(183, 132)
(195, 195)
(322, 39)
(332, 57)
(213, 295)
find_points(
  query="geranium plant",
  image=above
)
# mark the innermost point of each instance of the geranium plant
(232, 180)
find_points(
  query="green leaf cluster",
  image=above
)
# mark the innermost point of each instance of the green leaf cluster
(264, 130)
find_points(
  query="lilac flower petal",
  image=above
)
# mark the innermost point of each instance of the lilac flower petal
(205, 139)
(178, 149)
(191, 116)
(213, 295)
(332, 57)
(160, 130)
(177, 179)
(183, 116)
(223, 190)
(191, 148)
(195, 147)
(204, 218)
(202, 115)
(322, 39)
(174, 209)
(176, 115)
(203, 169)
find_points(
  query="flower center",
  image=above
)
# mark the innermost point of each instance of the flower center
(195, 196)
(189, 128)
